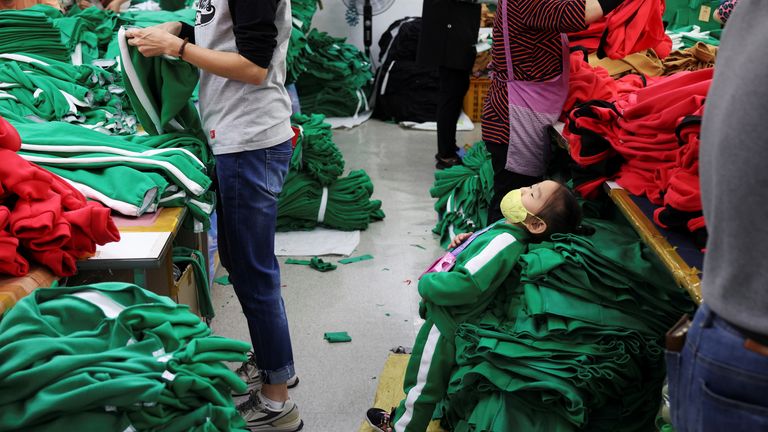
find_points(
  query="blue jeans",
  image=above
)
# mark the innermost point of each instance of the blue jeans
(715, 383)
(248, 186)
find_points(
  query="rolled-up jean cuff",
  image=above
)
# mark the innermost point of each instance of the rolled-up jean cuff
(280, 376)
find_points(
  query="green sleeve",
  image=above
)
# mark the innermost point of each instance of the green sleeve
(486, 268)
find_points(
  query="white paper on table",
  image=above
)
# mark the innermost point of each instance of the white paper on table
(320, 241)
(463, 125)
(133, 245)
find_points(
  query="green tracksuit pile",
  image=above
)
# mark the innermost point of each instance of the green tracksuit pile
(463, 194)
(37, 89)
(131, 174)
(313, 194)
(576, 344)
(338, 79)
(297, 57)
(31, 31)
(449, 299)
(114, 357)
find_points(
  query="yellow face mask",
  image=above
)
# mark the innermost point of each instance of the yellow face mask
(513, 209)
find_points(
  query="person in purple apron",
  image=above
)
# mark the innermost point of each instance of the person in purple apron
(462, 284)
(529, 65)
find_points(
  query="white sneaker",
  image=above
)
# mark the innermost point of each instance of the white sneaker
(259, 417)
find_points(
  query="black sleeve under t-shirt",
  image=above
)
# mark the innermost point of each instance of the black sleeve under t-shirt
(254, 28)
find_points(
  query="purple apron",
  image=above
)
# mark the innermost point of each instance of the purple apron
(533, 106)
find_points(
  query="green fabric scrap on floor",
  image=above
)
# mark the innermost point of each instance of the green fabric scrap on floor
(320, 265)
(298, 262)
(351, 260)
(337, 337)
(223, 280)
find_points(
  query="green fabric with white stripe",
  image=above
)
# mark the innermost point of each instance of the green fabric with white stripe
(160, 91)
(183, 160)
(37, 89)
(113, 355)
(449, 299)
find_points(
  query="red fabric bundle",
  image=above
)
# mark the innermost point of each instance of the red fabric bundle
(633, 27)
(9, 137)
(53, 221)
(11, 262)
(595, 83)
(648, 141)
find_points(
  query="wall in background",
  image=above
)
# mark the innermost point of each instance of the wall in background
(331, 20)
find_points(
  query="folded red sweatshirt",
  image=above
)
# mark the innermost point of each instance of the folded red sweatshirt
(11, 263)
(23, 178)
(71, 198)
(640, 128)
(94, 222)
(62, 263)
(5, 217)
(39, 224)
(9, 137)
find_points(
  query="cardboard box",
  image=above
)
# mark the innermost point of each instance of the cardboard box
(184, 290)
(680, 13)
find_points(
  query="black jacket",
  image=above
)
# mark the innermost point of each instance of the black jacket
(448, 34)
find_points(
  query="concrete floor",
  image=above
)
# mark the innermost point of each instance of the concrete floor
(375, 301)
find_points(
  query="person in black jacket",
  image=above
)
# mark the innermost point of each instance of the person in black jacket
(447, 43)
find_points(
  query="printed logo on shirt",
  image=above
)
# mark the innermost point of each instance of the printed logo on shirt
(205, 12)
(212, 133)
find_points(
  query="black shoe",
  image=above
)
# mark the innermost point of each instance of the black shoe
(449, 162)
(379, 419)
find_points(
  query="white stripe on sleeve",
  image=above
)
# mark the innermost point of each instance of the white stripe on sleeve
(491, 250)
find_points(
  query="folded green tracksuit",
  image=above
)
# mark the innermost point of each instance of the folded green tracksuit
(113, 356)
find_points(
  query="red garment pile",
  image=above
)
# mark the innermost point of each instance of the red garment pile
(648, 140)
(42, 217)
(588, 83)
(633, 27)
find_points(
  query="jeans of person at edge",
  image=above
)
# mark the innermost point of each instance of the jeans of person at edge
(248, 186)
(454, 84)
(717, 384)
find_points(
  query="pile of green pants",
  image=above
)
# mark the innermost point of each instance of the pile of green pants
(38, 89)
(114, 357)
(316, 154)
(463, 194)
(345, 204)
(87, 32)
(314, 194)
(130, 174)
(31, 31)
(576, 344)
(303, 11)
(298, 54)
(338, 79)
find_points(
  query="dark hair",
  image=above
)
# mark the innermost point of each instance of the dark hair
(562, 214)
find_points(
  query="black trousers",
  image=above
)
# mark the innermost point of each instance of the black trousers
(454, 84)
(503, 180)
